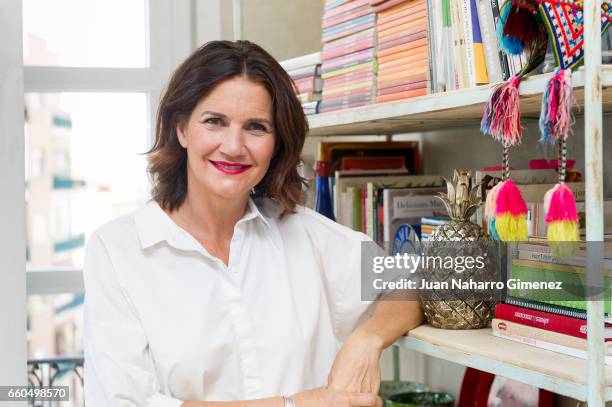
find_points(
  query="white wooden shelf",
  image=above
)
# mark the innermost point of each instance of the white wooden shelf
(442, 110)
(478, 348)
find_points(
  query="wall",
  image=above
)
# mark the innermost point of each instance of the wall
(12, 207)
(286, 29)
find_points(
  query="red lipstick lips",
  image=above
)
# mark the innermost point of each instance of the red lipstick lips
(230, 168)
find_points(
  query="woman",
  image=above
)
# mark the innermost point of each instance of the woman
(223, 290)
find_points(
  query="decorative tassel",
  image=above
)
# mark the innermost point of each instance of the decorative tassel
(510, 213)
(502, 117)
(556, 113)
(490, 211)
(520, 26)
(561, 214)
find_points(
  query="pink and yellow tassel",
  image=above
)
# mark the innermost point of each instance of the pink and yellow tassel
(510, 213)
(559, 202)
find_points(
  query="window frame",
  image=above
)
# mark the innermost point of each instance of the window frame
(170, 38)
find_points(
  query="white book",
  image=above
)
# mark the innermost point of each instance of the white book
(301, 61)
(468, 34)
(408, 205)
(566, 350)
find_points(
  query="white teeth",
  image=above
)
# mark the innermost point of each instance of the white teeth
(231, 167)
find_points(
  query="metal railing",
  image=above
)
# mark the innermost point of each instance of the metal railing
(58, 371)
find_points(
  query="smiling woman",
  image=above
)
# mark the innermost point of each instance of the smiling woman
(224, 289)
(237, 94)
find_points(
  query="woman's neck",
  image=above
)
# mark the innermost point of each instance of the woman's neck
(210, 216)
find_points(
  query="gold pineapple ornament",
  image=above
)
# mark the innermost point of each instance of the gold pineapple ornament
(452, 307)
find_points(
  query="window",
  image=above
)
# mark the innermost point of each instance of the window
(93, 73)
(85, 33)
(95, 170)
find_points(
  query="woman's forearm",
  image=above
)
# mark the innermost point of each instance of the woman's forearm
(267, 402)
(391, 320)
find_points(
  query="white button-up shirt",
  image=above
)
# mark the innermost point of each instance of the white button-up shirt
(165, 321)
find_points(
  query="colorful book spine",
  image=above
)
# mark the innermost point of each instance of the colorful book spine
(489, 40)
(480, 65)
(545, 320)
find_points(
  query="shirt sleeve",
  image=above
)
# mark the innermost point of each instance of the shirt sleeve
(339, 250)
(119, 370)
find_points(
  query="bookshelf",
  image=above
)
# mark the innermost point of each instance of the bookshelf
(444, 110)
(585, 380)
(481, 350)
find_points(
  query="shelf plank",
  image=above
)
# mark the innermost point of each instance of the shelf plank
(443, 110)
(481, 350)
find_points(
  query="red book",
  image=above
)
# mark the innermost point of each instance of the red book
(546, 320)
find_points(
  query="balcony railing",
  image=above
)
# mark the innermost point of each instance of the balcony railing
(58, 371)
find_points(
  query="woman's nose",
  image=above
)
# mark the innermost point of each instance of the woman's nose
(233, 141)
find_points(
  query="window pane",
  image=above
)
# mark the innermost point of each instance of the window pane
(84, 167)
(85, 33)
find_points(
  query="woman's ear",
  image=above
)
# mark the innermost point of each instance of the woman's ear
(180, 133)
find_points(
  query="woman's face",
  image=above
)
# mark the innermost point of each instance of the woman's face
(229, 139)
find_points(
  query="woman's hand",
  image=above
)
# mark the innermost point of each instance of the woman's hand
(326, 397)
(357, 364)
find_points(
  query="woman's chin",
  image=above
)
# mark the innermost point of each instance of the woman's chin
(232, 193)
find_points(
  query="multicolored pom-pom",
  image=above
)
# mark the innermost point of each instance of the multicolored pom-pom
(490, 211)
(510, 213)
(562, 220)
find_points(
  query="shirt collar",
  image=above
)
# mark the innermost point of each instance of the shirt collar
(153, 225)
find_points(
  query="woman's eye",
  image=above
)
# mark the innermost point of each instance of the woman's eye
(258, 127)
(213, 120)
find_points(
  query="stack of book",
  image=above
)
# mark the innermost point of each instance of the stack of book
(550, 319)
(386, 206)
(306, 74)
(349, 54)
(403, 49)
(376, 187)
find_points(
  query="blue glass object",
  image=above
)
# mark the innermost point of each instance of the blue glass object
(323, 196)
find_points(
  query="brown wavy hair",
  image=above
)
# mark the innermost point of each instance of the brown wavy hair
(193, 80)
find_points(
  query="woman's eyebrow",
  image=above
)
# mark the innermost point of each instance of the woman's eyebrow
(223, 116)
(260, 120)
(214, 114)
